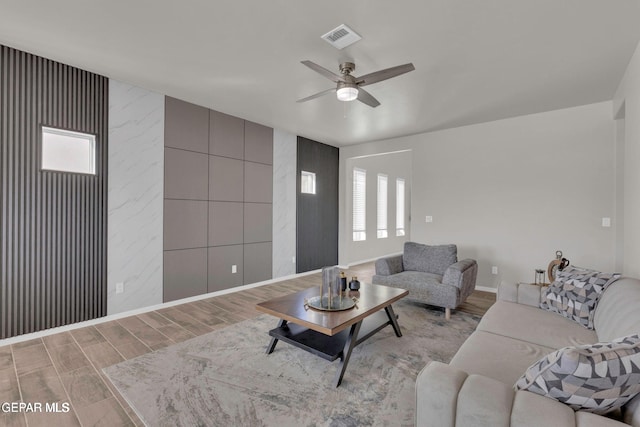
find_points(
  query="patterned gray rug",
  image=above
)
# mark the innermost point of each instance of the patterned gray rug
(225, 378)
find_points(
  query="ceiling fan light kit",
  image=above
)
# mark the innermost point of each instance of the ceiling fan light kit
(348, 87)
(347, 93)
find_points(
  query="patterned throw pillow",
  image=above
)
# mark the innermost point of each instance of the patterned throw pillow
(575, 293)
(594, 378)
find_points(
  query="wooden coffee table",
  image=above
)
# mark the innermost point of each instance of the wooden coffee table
(332, 334)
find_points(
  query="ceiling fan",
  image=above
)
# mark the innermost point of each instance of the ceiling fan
(349, 87)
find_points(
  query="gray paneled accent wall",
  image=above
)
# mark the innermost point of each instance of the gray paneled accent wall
(217, 201)
(53, 234)
(136, 150)
(284, 203)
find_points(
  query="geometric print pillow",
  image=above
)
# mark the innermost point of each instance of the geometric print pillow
(575, 294)
(594, 378)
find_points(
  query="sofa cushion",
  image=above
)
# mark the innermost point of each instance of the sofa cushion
(575, 293)
(595, 378)
(536, 326)
(423, 287)
(498, 357)
(428, 259)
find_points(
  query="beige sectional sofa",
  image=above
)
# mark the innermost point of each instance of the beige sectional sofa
(476, 388)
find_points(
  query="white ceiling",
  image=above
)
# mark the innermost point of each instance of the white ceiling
(475, 61)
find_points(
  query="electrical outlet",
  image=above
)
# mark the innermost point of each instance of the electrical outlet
(494, 270)
(234, 269)
(119, 287)
(293, 259)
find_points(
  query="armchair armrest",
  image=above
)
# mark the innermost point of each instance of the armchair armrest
(389, 265)
(462, 275)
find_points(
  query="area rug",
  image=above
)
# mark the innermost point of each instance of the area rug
(225, 378)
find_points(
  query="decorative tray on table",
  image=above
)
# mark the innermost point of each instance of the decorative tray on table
(337, 303)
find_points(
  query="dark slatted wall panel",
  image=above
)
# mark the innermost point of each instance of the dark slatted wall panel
(52, 225)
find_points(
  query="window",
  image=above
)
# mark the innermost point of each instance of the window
(382, 206)
(399, 207)
(308, 182)
(359, 204)
(68, 151)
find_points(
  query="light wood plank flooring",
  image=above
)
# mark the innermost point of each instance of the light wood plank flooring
(67, 367)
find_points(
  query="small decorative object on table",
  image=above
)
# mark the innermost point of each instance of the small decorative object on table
(557, 264)
(343, 281)
(354, 284)
(331, 297)
(539, 277)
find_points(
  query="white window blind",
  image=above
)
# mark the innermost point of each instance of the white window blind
(382, 206)
(400, 207)
(359, 204)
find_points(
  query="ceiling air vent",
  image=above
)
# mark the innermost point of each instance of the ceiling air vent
(341, 37)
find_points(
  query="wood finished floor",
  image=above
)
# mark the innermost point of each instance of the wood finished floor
(67, 367)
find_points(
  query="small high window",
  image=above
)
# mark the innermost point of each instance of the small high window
(308, 183)
(68, 151)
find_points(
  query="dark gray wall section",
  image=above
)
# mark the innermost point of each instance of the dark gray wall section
(185, 273)
(225, 223)
(317, 214)
(186, 126)
(53, 233)
(226, 136)
(258, 182)
(184, 223)
(226, 179)
(186, 174)
(218, 200)
(221, 259)
(257, 262)
(255, 150)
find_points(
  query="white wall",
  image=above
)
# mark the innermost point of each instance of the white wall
(136, 174)
(394, 165)
(627, 104)
(510, 193)
(284, 202)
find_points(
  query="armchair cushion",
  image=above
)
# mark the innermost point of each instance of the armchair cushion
(428, 259)
(389, 265)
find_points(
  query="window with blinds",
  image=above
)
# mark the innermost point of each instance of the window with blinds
(400, 207)
(382, 206)
(359, 204)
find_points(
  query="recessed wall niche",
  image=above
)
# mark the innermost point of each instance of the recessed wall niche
(217, 200)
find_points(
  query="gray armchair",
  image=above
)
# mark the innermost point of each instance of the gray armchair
(431, 274)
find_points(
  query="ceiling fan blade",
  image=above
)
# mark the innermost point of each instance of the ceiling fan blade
(321, 70)
(385, 74)
(317, 95)
(366, 98)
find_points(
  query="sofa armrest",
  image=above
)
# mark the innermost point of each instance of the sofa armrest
(462, 275)
(437, 388)
(521, 293)
(449, 397)
(389, 265)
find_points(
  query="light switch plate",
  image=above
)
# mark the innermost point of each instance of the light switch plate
(606, 222)
(234, 269)
(494, 270)
(428, 218)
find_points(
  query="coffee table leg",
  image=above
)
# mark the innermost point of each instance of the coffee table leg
(394, 320)
(346, 353)
(274, 341)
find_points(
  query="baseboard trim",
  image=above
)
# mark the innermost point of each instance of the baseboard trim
(116, 316)
(486, 289)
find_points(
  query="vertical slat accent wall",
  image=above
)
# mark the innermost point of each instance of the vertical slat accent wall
(53, 226)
